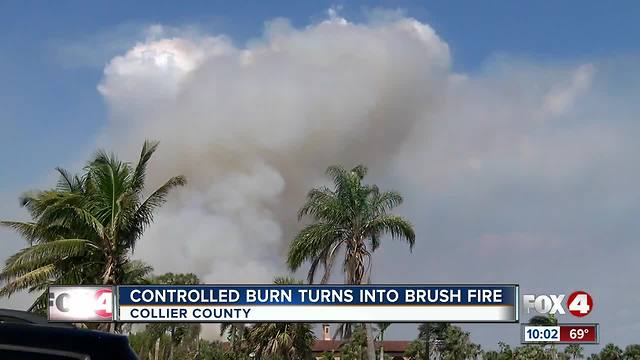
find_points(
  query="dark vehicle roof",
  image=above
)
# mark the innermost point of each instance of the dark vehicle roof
(26, 317)
(97, 345)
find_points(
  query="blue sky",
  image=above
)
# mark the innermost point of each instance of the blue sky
(531, 126)
(45, 103)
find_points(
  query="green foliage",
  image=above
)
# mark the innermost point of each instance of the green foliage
(176, 279)
(183, 338)
(610, 352)
(415, 350)
(574, 351)
(327, 356)
(456, 344)
(272, 340)
(355, 348)
(381, 328)
(632, 352)
(286, 340)
(84, 230)
(353, 217)
(349, 215)
(542, 320)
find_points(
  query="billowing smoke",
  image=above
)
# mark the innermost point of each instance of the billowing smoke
(500, 161)
(253, 128)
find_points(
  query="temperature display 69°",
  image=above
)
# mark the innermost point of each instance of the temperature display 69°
(559, 334)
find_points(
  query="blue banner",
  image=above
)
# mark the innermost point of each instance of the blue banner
(318, 295)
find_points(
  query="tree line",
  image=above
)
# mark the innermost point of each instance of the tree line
(85, 229)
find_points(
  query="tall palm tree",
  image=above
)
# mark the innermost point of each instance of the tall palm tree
(84, 230)
(184, 334)
(353, 216)
(456, 345)
(290, 341)
(611, 352)
(574, 351)
(381, 327)
(429, 331)
(542, 320)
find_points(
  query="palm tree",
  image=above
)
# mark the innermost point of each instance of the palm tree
(456, 344)
(236, 334)
(287, 340)
(382, 327)
(541, 320)
(611, 352)
(84, 230)
(549, 320)
(574, 351)
(632, 351)
(427, 331)
(353, 216)
(184, 334)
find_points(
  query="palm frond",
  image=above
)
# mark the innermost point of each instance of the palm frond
(385, 202)
(143, 215)
(43, 254)
(39, 305)
(286, 280)
(136, 272)
(27, 230)
(28, 280)
(90, 221)
(310, 242)
(68, 182)
(139, 174)
(360, 171)
(322, 204)
(396, 226)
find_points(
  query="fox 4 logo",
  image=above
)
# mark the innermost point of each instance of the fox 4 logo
(579, 304)
(80, 303)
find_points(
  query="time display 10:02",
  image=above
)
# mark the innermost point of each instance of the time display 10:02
(541, 333)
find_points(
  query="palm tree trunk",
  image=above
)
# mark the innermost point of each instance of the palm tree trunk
(109, 275)
(382, 344)
(171, 343)
(356, 272)
(371, 350)
(427, 354)
(157, 352)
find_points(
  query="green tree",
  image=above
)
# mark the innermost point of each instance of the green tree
(430, 333)
(415, 350)
(610, 352)
(532, 352)
(236, 335)
(542, 320)
(381, 327)
(84, 230)
(504, 353)
(353, 216)
(456, 344)
(183, 337)
(287, 341)
(354, 348)
(632, 352)
(574, 351)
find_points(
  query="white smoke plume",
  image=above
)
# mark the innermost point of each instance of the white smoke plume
(253, 127)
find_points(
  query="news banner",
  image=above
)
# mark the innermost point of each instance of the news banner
(480, 303)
